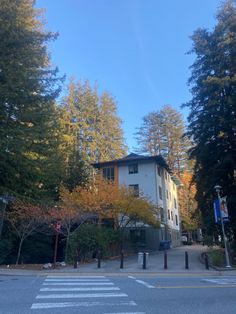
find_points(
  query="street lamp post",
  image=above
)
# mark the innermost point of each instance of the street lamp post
(218, 188)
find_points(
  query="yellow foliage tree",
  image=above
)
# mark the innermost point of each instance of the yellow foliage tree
(106, 199)
(188, 206)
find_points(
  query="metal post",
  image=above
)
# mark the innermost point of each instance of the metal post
(55, 250)
(144, 260)
(206, 261)
(165, 260)
(122, 260)
(99, 259)
(186, 260)
(217, 188)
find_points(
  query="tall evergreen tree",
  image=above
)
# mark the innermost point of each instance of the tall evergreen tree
(162, 132)
(110, 135)
(92, 123)
(28, 87)
(212, 118)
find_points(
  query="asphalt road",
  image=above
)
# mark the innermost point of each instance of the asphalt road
(118, 294)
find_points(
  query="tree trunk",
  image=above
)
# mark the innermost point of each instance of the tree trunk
(19, 251)
(67, 246)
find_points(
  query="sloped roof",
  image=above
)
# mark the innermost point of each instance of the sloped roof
(134, 157)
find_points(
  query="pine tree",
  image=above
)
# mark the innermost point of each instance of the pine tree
(28, 87)
(92, 123)
(162, 132)
(212, 119)
(110, 135)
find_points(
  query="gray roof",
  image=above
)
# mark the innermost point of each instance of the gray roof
(134, 157)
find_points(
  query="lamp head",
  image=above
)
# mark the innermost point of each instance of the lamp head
(217, 188)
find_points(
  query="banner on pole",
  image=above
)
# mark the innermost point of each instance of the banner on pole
(220, 210)
(216, 205)
(224, 209)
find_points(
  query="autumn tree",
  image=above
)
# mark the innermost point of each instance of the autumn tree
(28, 87)
(106, 199)
(212, 117)
(162, 132)
(190, 216)
(68, 214)
(24, 219)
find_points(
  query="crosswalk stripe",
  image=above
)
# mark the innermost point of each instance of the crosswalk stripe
(126, 313)
(81, 289)
(74, 280)
(81, 295)
(37, 306)
(78, 284)
(75, 277)
(222, 281)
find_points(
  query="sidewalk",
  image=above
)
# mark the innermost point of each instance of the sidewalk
(155, 264)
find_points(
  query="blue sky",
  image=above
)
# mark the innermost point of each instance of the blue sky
(135, 49)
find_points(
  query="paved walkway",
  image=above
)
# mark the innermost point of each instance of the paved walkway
(155, 264)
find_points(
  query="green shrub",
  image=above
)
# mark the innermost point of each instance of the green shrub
(217, 257)
(89, 239)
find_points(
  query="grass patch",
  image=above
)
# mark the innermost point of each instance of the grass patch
(217, 257)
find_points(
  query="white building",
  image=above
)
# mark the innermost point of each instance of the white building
(150, 176)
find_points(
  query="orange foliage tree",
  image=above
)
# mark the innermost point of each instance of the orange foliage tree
(105, 199)
(188, 206)
(24, 218)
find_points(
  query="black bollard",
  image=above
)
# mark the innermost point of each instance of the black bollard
(144, 260)
(99, 259)
(122, 260)
(206, 261)
(165, 260)
(186, 260)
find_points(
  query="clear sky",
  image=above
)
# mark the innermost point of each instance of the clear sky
(135, 49)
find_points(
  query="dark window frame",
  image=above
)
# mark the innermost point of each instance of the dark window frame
(108, 173)
(133, 168)
(134, 188)
(160, 193)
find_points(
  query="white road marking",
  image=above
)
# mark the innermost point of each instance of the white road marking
(81, 289)
(145, 284)
(131, 277)
(74, 280)
(222, 281)
(37, 306)
(81, 295)
(78, 284)
(126, 313)
(76, 276)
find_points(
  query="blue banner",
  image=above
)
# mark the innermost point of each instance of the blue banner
(220, 210)
(216, 205)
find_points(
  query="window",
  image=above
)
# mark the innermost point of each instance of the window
(159, 171)
(160, 192)
(134, 188)
(167, 194)
(162, 214)
(170, 196)
(133, 168)
(165, 175)
(176, 220)
(168, 214)
(172, 216)
(175, 203)
(108, 173)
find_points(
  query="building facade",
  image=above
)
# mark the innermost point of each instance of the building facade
(151, 177)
